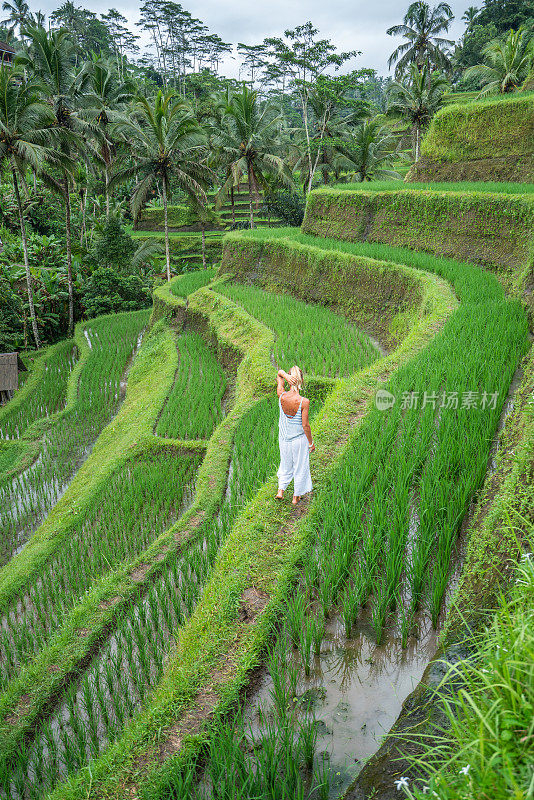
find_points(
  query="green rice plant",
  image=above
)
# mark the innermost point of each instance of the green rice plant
(189, 282)
(318, 340)
(26, 499)
(319, 627)
(136, 505)
(486, 747)
(200, 383)
(307, 632)
(379, 611)
(295, 614)
(48, 395)
(350, 608)
(307, 734)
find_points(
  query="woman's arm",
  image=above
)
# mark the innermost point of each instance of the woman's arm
(280, 378)
(306, 422)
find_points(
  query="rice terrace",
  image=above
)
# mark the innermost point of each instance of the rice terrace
(230, 271)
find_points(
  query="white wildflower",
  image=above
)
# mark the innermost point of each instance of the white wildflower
(465, 769)
(401, 783)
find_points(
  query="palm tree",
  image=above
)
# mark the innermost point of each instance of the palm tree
(470, 15)
(27, 139)
(104, 99)
(508, 63)
(37, 20)
(50, 58)
(168, 143)
(417, 100)
(18, 12)
(371, 150)
(249, 139)
(423, 46)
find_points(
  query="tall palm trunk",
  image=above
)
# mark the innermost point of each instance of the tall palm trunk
(26, 259)
(203, 245)
(69, 255)
(166, 221)
(83, 206)
(106, 179)
(233, 204)
(417, 140)
(249, 171)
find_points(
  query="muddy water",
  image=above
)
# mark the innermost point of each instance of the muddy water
(355, 690)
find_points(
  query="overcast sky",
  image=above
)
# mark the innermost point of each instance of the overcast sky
(350, 24)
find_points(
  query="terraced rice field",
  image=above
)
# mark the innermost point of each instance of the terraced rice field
(47, 397)
(125, 650)
(200, 381)
(26, 499)
(319, 341)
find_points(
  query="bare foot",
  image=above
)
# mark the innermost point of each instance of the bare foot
(296, 498)
(280, 495)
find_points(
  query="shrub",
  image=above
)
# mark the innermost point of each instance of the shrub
(114, 248)
(287, 206)
(106, 292)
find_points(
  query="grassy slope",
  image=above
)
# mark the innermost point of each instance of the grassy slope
(490, 128)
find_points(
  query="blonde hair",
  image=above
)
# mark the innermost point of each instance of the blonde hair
(297, 372)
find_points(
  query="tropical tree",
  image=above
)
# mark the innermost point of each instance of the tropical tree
(334, 115)
(417, 100)
(249, 140)
(301, 59)
(470, 15)
(18, 13)
(50, 57)
(507, 63)
(423, 44)
(371, 149)
(169, 144)
(27, 140)
(104, 99)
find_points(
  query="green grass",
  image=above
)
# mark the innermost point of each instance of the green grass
(94, 710)
(402, 460)
(258, 551)
(487, 749)
(195, 404)
(494, 127)
(463, 186)
(318, 340)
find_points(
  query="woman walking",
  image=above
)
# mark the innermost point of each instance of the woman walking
(294, 436)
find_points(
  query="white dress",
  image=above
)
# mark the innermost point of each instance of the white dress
(294, 453)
